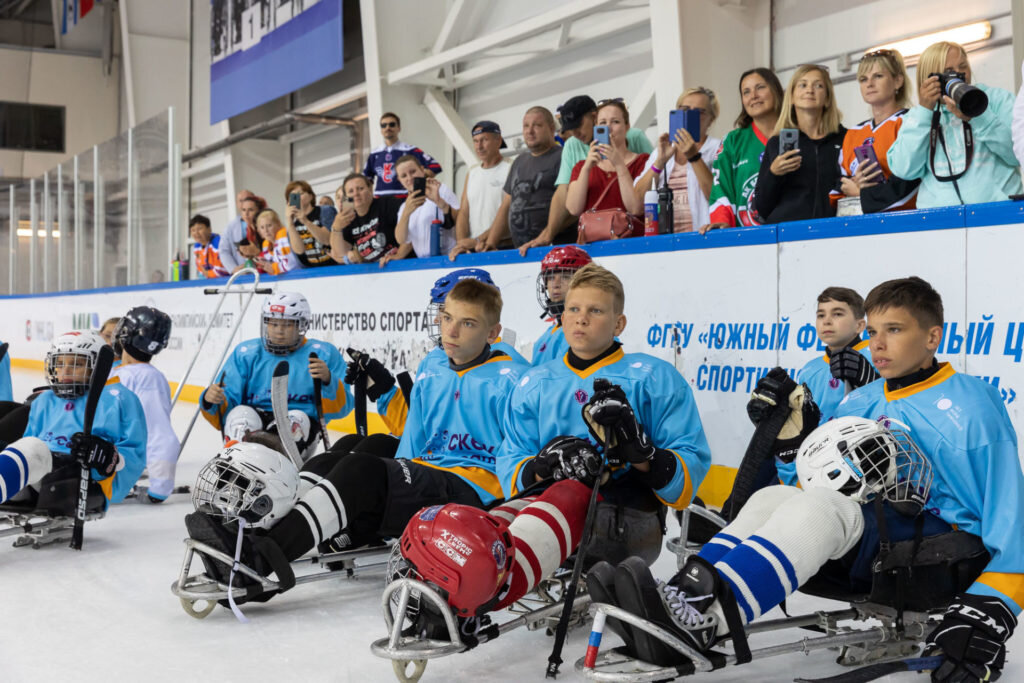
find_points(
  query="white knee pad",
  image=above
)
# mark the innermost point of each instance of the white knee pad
(23, 463)
(758, 508)
(240, 421)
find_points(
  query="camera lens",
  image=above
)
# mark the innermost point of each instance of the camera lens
(969, 99)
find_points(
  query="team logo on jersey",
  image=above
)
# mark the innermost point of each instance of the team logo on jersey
(457, 394)
(498, 551)
(69, 406)
(387, 173)
(834, 383)
(581, 397)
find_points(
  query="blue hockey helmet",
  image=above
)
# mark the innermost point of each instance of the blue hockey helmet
(439, 292)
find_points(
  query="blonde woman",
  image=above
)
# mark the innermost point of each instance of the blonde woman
(795, 185)
(868, 185)
(276, 256)
(993, 172)
(685, 163)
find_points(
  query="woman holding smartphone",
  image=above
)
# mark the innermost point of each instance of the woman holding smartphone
(867, 185)
(800, 166)
(685, 163)
(604, 180)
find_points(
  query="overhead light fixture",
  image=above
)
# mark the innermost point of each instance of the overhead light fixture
(963, 35)
(27, 232)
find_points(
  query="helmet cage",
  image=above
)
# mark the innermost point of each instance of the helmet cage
(552, 308)
(57, 360)
(903, 473)
(224, 491)
(433, 317)
(281, 349)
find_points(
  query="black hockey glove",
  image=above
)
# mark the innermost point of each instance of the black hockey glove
(94, 452)
(770, 395)
(381, 380)
(851, 366)
(972, 636)
(804, 416)
(568, 457)
(612, 422)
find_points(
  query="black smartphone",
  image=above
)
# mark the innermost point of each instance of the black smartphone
(420, 184)
(789, 139)
(295, 199)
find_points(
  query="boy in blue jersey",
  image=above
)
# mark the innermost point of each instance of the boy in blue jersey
(961, 426)
(240, 401)
(41, 470)
(661, 454)
(446, 454)
(556, 271)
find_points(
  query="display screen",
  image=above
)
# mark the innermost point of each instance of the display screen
(31, 127)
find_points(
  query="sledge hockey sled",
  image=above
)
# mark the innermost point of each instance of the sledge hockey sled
(199, 593)
(37, 528)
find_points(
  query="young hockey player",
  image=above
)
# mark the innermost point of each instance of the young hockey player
(653, 433)
(241, 400)
(784, 535)
(556, 271)
(45, 464)
(142, 333)
(446, 453)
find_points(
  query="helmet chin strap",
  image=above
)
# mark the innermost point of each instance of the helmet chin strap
(231, 578)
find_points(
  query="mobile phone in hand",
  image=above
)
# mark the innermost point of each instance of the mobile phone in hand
(789, 139)
(419, 184)
(295, 199)
(601, 135)
(866, 154)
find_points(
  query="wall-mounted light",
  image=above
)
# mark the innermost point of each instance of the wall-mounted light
(963, 35)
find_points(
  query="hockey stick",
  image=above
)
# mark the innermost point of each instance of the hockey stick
(279, 401)
(872, 672)
(359, 391)
(3, 350)
(104, 361)
(759, 451)
(318, 402)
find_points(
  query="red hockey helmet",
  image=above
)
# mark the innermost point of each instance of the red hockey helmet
(462, 550)
(559, 261)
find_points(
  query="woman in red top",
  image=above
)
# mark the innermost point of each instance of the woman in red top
(611, 165)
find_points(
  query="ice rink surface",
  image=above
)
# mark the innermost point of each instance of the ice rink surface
(107, 614)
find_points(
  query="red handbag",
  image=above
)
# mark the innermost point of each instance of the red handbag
(606, 224)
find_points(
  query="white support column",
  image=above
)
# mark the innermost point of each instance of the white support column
(98, 226)
(79, 238)
(33, 217)
(12, 243)
(62, 230)
(642, 105)
(126, 55)
(131, 225)
(172, 175)
(47, 231)
(1017, 8)
(372, 69)
(668, 50)
(451, 125)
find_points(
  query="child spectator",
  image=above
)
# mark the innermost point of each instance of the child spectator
(276, 255)
(205, 248)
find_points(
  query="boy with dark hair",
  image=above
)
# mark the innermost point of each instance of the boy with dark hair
(961, 427)
(206, 248)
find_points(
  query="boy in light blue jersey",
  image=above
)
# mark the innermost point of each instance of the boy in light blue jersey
(240, 401)
(784, 536)
(45, 464)
(556, 271)
(661, 455)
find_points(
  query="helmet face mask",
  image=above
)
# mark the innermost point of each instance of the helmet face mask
(70, 363)
(439, 292)
(556, 271)
(286, 317)
(247, 481)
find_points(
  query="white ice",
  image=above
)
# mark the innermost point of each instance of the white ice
(107, 614)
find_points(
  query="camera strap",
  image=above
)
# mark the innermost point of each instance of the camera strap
(936, 137)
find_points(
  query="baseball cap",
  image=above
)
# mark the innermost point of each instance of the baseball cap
(488, 127)
(574, 109)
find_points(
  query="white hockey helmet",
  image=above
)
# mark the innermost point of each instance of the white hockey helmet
(240, 422)
(862, 458)
(71, 351)
(250, 481)
(285, 306)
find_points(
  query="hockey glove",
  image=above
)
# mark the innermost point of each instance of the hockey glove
(972, 636)
(608, 414)
(381, 380)
(851, 366)
(94, 452)
(770, 395)
(568, 457)
(804, 416)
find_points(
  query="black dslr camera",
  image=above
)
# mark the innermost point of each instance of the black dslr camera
(970, 100)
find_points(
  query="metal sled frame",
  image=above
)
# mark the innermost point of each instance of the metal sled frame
(200, 588)
(38, 529)
(403, 650)
(680, 546)
(246, 293)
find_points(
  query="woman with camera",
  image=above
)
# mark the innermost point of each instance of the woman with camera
(868, 185)
(800, 166)
(958, 141)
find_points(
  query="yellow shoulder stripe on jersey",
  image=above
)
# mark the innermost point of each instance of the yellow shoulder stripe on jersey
(683, 500)
(485, 479)
(1010, 585)
(945, 372)
(396, 414)
(334, 405)
(603, 363)
(108, 486)
(112, 380)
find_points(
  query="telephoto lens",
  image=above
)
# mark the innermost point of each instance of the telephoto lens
(970, 100)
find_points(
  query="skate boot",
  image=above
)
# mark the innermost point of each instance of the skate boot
(601, 587)
(680, 606)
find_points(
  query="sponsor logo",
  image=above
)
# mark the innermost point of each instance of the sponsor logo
(456, 542)
(406, 474)
(450, 552)
(581, 397)
(944, 404)
(277, 308)
(430, 513)
(498, 553)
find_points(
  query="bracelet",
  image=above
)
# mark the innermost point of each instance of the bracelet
(345, 260)
(656, 169)
(695, 158)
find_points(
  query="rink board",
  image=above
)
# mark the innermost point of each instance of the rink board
(736, 302)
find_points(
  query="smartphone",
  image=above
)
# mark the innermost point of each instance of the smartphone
(789, 139)
(601, 135)
(295, 199)
(419, 184)
(866, 154)
(689, 119)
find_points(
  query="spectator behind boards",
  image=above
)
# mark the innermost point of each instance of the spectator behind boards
(954, 173)
(739, 160)
(483, 191)
(577, 116)
(435, 206)
(867, 185)
(276, 255)
(205, 248)
(685, 163)
(364, 229)
(604, 180)
(248, 247)
(382, 163)
(525, 212)
(232, 234)
(794, 183)
(309, 225)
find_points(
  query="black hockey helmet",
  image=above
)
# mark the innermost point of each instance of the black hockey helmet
(143, 332)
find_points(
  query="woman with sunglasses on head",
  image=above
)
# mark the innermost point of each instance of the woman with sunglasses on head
(794, 185)
(685, 163)
(739, 159)
(868, 183)
(604, 180)
(972, 160)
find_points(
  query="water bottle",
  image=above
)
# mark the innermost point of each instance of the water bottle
(651, 210)
(666, 216)
(435, 237)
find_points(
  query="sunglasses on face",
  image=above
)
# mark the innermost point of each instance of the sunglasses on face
(388, 124)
